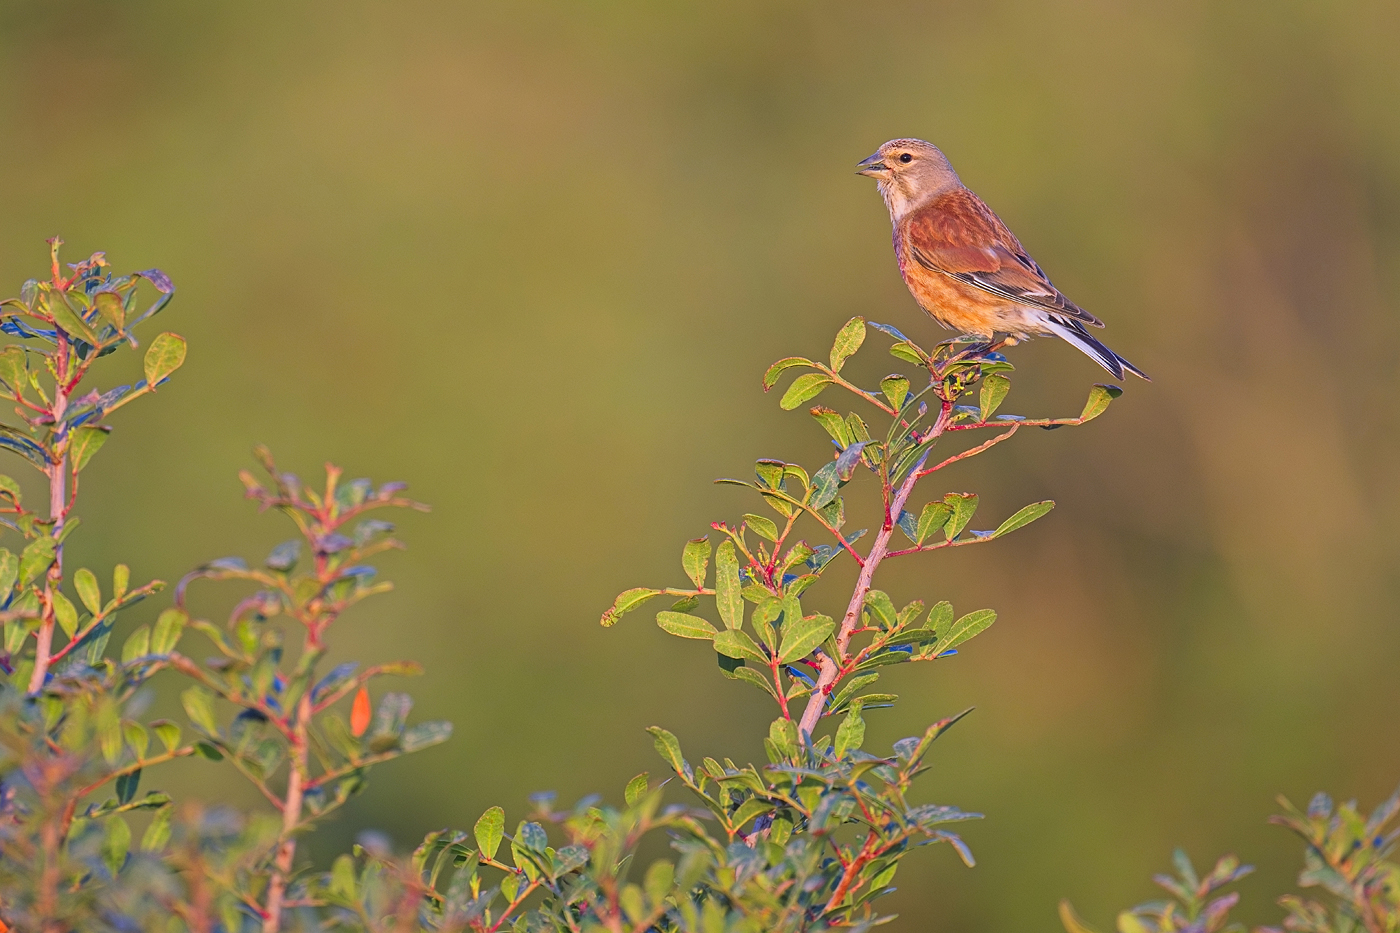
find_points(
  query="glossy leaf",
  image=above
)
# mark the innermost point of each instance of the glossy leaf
(735, 643)
(637, 788)
(728, 593)
(109, 306)
(1099, 398)
(974, 623)
(165, 355)
(668, 747)
(696, 559)
(489, 831)
(961, 506)
(761, 526)
(933, 518)
(770, 378)
(685, 626)
(802, 636)
(35, 561)
(803, 389)
(848, 341)
(993, 391)
(895, 386)
(825, 486)
(65, 317)
(850, 734)
(84, 443)
(1024, 517)
(626, 601)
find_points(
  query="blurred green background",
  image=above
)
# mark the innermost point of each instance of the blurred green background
(533, 258)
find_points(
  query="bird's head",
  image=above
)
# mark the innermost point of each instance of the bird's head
(909, 172)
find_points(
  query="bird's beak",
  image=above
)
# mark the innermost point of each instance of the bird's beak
(873, 166)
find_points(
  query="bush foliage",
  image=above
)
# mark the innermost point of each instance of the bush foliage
(807, 841)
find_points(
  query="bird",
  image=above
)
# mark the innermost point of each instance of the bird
(964, 266)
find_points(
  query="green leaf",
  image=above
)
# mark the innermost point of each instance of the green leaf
(754, 806)
(121, 576)
(802, 636)
(896, 389)
(770, 378)
(908, 353)
(834, 424)
(761, 526)
(851, 686)
(109, 729)
(770, 472)
(116, 843)
(961, 506)
(109, 305)
(66, 614)
(994, 389)
(168, 732)
(933, 517)
(9, 571)
(199, 706)
(728, 593)
(626, 601)
(85, 442)
(696, 560)
(165, 355)
(637, 788)
(851, 733)
(881, 607)
(489, 831)
(848, 341)
(669, 748)
(749, 676)
(138, 738)
(735, 643)
(10, 488)
(14, 369)
(974, 623)
(158, 832)
(137, 645)
(169, 626)
(68, 319)
(35, 560)
(1099, 398)
(1024, 517)
(685, 626)
(940, 617)
(803, 389)
(85, 582)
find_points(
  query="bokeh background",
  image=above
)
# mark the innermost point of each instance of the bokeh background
(532, 257)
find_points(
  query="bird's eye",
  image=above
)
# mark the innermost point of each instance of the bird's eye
(905, 157)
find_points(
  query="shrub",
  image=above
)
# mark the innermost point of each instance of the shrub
(807, 841)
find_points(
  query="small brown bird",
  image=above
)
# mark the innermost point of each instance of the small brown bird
(961, 263)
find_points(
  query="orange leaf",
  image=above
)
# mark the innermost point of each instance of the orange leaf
(359, 713)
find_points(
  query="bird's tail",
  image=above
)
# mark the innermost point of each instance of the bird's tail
(1074, 333)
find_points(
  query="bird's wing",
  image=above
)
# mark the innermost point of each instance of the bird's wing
(958, 235)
